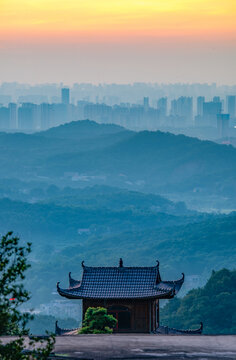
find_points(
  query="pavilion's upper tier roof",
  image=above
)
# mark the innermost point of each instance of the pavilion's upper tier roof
(121, 283)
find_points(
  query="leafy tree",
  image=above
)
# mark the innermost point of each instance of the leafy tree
(97, 321)
(13, 264)
(214, 304)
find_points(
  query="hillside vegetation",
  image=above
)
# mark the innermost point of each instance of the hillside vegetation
(195, 249)
(155, 162)
(83, 130)
(214, 304)
(84, 191)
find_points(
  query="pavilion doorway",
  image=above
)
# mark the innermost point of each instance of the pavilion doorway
(123, 317)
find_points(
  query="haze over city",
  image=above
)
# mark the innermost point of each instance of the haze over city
(118, 179)
(117, 41)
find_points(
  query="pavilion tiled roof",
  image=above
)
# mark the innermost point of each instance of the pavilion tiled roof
(120, 283)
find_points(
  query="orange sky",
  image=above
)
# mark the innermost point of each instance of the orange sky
(45, 20)
(118, 40)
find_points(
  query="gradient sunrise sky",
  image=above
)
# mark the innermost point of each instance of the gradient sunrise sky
(118, 41)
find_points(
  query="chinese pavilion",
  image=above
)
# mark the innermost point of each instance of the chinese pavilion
(130, 294)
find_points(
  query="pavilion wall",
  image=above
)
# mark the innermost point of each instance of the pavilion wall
(144, 313)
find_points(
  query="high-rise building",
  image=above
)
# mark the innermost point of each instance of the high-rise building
(216, 99)
(182, 108)
(162, 106)
(212, 108)
(4, 118)
(28, 116)
(173, 107)
(223, 125)
(200, 101)
(65, 96)
(45, 112)
(231, 106)
(210, 111)
(13, 115)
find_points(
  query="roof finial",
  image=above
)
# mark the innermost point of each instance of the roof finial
(82, 264)
(121, 262)
(158, 263)
(58, 287)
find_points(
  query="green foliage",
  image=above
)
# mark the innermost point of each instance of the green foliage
(171, 163)
(73, 137)
(56, 220)
(39, 349)
(13, 264)
(84, 129)
(94, 223)
(112, 198)
(97, 321)
(214, 305)
(150, 161)
(194, 248)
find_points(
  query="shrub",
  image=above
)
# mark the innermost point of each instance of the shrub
(97, 321)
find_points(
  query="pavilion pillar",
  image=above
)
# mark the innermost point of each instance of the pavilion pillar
(157, 314)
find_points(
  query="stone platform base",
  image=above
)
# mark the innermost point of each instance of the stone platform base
(152, 347)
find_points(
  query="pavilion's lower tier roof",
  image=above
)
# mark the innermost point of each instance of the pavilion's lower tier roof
(121, 283)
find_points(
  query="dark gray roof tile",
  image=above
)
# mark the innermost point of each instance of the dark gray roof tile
(119, 283)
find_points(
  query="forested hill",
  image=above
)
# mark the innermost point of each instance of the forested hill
(156, 161)
(110, 155)
(84, 191)
(158, 153)
(59, 223)
(85, 129)
(68, 138)
(214, 305)
(194, 248)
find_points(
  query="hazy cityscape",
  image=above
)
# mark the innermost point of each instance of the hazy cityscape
(207, 112)
(97, 161)
(117, 179)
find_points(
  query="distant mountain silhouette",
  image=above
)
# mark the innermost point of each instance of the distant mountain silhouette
(67, 190)
(158, 161)
(110, 155)
(82, 129)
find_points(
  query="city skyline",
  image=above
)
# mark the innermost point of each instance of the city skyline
(211, 119)
(110, 41)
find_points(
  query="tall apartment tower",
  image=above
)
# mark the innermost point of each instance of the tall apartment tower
(45, 115)
(223, 125)
(200, 101)
(4, 118)
(216, 99)
(182, 108)
(28, 116)
(13, 115)
(231, 106)
(162, 106)
(65, 96)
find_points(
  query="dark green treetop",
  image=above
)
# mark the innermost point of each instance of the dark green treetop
(97, 321)
(13, 264)
(215, 304)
